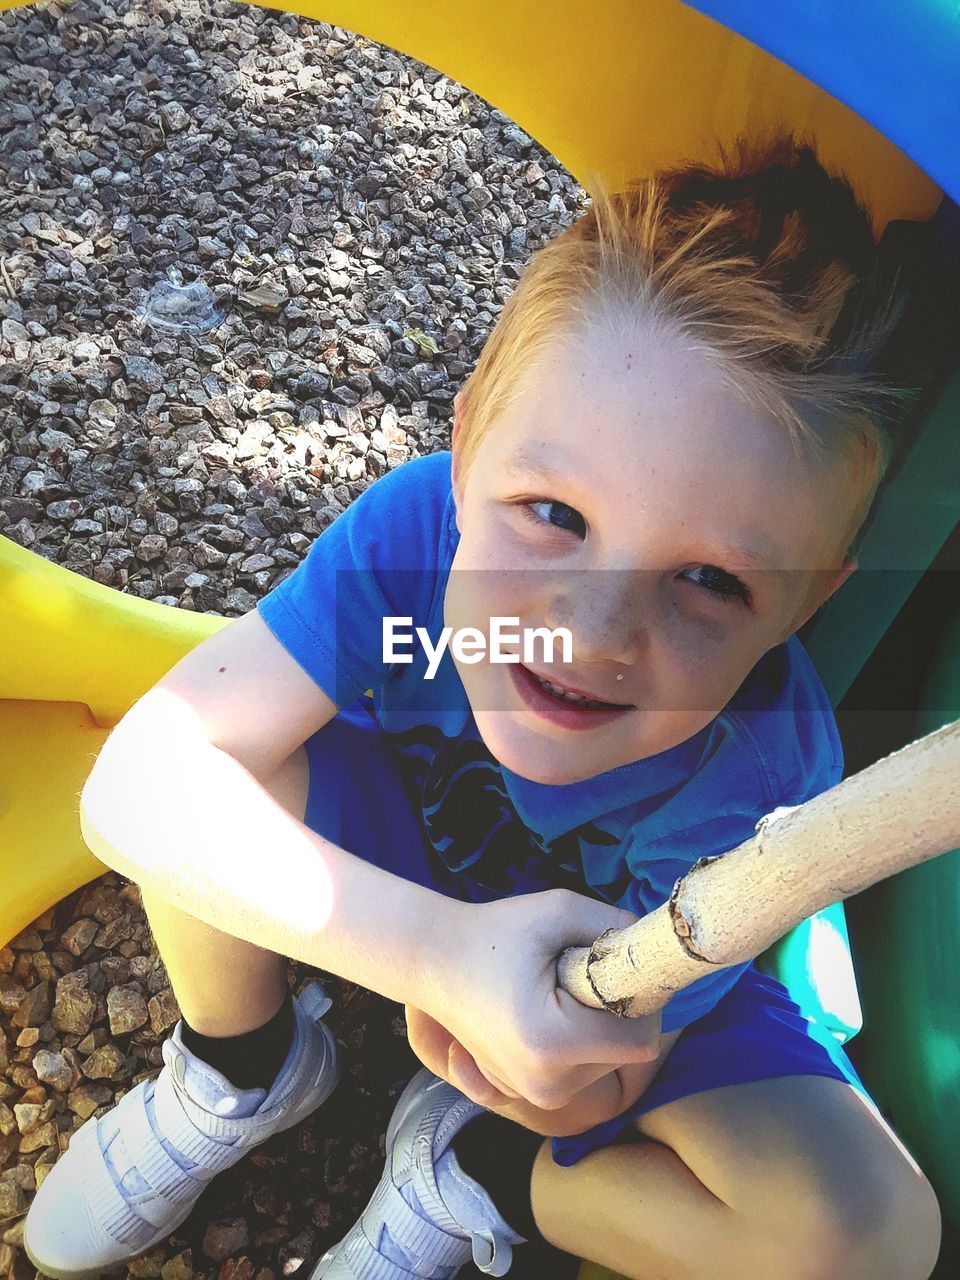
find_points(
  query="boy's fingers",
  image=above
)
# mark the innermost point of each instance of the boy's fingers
(508, 1093)
(612, 1040)
(590, 917)
(429, 1040)
(463, 1072)
(442, 1054)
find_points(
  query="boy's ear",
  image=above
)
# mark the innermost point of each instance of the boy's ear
(850, 565)
(822, 593)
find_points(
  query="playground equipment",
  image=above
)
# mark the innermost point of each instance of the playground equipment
(619, 89)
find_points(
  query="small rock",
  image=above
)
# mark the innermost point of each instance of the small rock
(45, 1162)
(175, 116)
(13, 1202)
(210, 556)
(148, 1266)
(151, 548)
(163, 1011)
(240, 599)
(254, 563)
(295, 1252)
(102, 413)
(11, 993)
(29, 1115)
(86, 528)
(236, 1269)
(14, 331)
(166, 524)
(142, 374)
(53, 1069)
(79, 935)
(34, 1008)
(45, 1136)
(104, 1063)
(75, 1005)
(180, 1267)
(84, 1100)
(66, 509)
(13, 1236)
(225, 1238)
(112, 933)
(126, 1010)
(93, 1040)
(102, 902)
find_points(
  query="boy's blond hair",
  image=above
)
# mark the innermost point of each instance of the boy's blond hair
(767, 264)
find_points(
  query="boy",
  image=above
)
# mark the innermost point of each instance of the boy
(667, 448)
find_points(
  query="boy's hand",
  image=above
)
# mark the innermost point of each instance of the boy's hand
(525, 1037)
(596, 1104)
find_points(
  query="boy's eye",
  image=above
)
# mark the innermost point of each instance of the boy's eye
(721, 584)
(568, 514)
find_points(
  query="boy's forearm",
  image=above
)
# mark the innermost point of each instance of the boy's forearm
(205, 835)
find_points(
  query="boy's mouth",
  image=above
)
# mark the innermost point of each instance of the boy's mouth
(562, 706)
(571, 694)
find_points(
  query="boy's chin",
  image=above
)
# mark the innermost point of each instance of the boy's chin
(530, 756)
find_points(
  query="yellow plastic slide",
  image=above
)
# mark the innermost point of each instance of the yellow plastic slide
(76, 656)
(655, 83)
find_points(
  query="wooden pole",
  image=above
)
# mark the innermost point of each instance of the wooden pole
(902, 810)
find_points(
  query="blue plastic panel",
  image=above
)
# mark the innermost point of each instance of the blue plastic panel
(895, 62)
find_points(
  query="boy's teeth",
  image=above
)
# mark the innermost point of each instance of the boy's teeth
(569, 697)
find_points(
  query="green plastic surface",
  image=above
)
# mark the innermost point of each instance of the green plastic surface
(909, 951)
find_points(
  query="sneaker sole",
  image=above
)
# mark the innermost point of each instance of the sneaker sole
(57, 1274)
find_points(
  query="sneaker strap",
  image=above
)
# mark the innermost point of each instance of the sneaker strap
(169, 1180)
(419, 1237)
(362, 1259)
(105, 1203)
(205, 1139)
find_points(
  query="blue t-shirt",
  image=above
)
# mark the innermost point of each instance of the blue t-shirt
(624, 836)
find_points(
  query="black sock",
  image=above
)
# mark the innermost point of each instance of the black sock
(252, 1060)
(499, 1154)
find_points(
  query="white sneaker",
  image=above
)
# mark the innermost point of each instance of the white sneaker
(426, 1218)
(129, 1178)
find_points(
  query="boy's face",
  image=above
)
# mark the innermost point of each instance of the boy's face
(660, 475)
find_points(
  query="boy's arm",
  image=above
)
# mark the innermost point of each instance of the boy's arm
(176, 802)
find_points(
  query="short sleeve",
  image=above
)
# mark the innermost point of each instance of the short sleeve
(380, 558)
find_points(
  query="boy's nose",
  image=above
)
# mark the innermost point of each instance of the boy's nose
(607, 613)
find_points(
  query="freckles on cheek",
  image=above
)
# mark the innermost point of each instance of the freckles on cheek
(700, 668)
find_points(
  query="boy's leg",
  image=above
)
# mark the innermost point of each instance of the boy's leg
(794, 1177)
(131, 1176)
(224, 985)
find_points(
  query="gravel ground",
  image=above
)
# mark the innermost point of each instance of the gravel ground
(357, 220)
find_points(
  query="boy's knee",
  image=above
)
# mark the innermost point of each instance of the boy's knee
(896, 1238)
